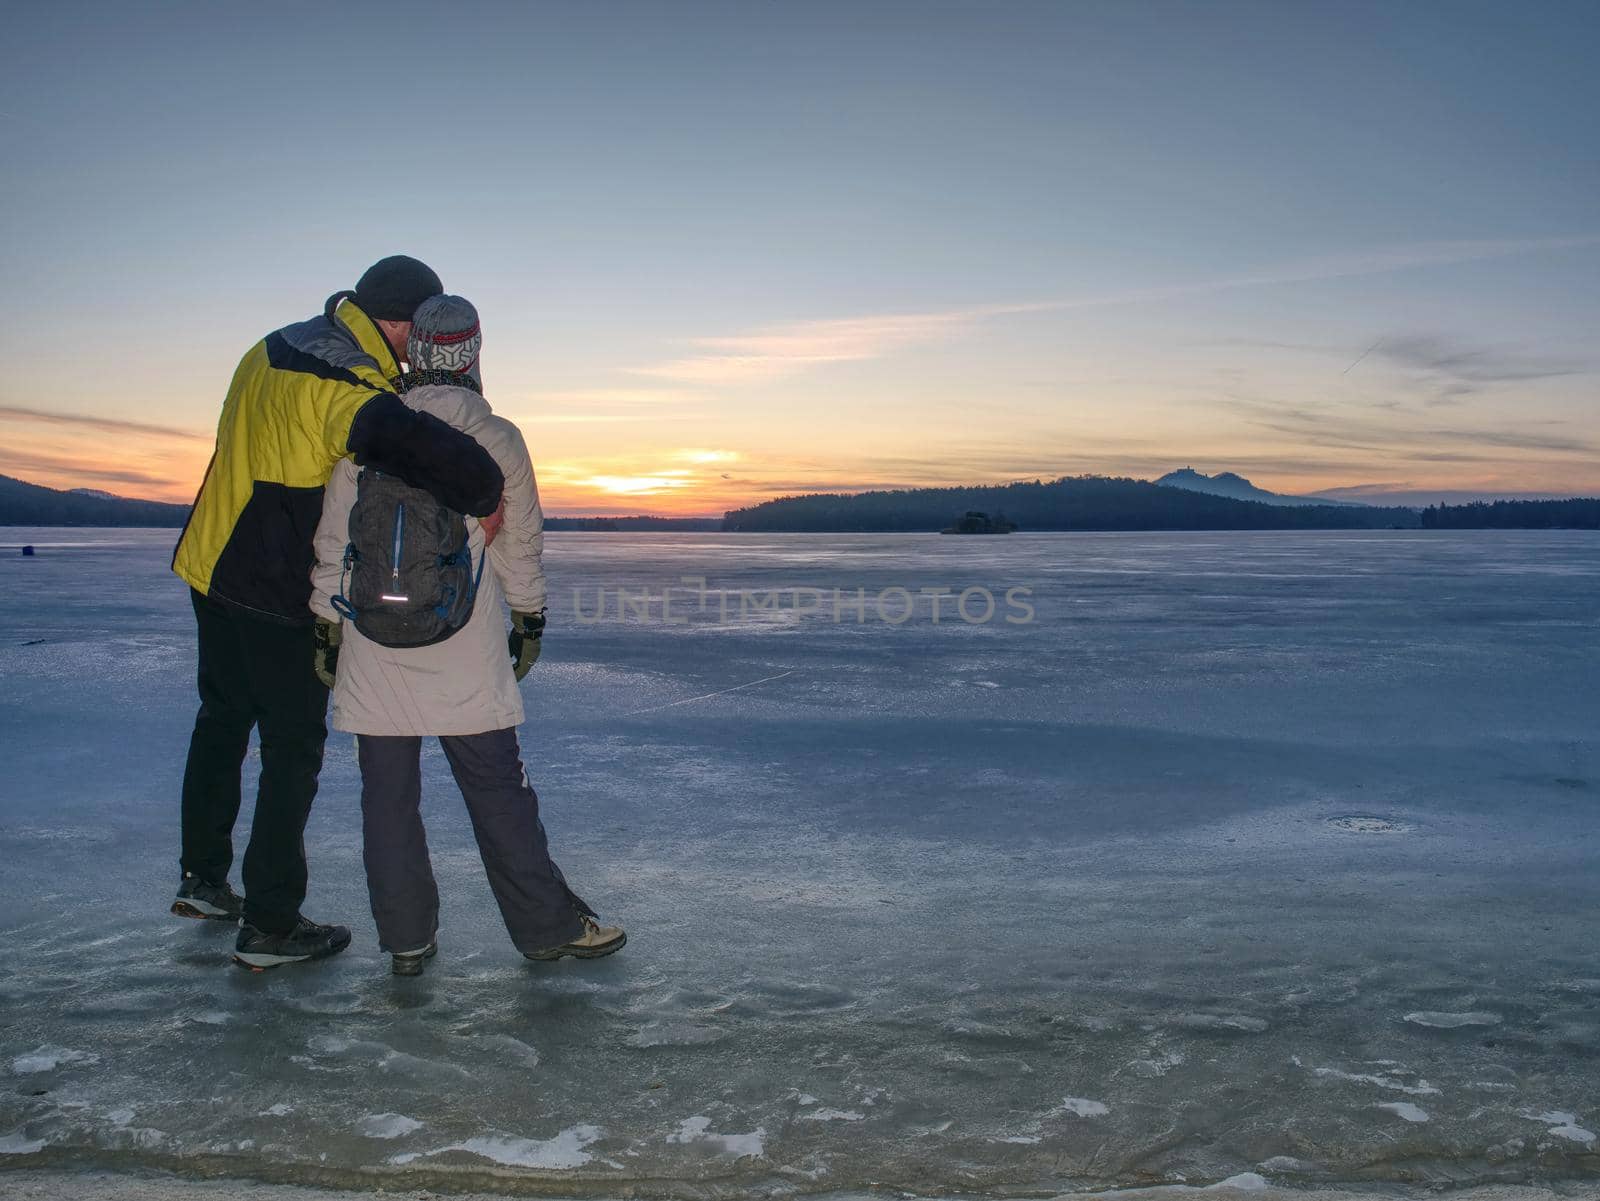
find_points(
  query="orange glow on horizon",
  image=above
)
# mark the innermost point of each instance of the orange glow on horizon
(598, 477)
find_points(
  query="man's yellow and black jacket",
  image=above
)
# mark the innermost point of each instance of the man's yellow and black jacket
(302, 399)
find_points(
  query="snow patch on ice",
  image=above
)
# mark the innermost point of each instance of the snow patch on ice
(1451, 1021)
(1406, 1110)
(1282, 1163)
(1420, 1089)
(211, 1017)
(17, 1143)
(698, 1130)
(1562, 1125)
(387, 1125)
(565, 1150)
(120, 1117)
(1084, 1107)
(48, 1058)
(281, 1109)
(833, 1115)
(1156, 1065)
(142, 1137)
(1249, 1182)
(1026, 1140)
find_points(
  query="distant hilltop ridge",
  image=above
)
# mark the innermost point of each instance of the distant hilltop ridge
(22, 503)
(1226, 483)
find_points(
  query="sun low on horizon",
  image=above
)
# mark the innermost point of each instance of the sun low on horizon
(727, 255)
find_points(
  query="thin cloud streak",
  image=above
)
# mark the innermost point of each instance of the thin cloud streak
(1449, 369)
(782, 350)
(775, 351)
(1351, 433)
(112, 425)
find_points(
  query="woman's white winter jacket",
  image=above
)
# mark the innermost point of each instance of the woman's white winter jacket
(464, 684)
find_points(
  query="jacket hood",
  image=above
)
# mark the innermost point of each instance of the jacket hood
(354, 318)
(453, 404)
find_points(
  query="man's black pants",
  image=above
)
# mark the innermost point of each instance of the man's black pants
(254, 673)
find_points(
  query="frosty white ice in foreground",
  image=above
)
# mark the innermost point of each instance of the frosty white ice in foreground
(1254, 853)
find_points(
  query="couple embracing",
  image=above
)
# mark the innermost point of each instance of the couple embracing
(318, 416)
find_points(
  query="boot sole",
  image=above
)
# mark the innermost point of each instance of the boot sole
(260, 961)
(600, 952)
(191, 909)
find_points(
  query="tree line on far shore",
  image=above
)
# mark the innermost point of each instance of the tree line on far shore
(1579, 513)
(1100, 503)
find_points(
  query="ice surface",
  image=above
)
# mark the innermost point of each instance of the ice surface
(387, 1125)
(1406, 1110)
(737, 1146)
(1453, 1021)
(47, 1059)
(564, 1151)
(1564, 1125)
(1084, 1108)
(1245, 839)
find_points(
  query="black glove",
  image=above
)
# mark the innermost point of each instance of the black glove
(325, 657)
(527, 630)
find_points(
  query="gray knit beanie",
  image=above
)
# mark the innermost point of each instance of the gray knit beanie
(392, 288)
(445, 337)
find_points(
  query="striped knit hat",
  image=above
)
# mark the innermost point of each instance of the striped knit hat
(445, 337)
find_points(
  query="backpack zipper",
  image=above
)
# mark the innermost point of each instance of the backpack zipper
(399, 541)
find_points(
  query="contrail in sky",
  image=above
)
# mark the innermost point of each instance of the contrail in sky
(1362, 355)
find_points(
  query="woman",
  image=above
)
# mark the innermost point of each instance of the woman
(462, 690)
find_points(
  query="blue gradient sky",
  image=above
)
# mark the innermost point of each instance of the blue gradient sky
(730, 251)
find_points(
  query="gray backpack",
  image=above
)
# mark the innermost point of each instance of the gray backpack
(408, 577)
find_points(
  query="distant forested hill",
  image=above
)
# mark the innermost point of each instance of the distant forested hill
(1081, 503)
(1227, 483)
(1577, 514)
(30, 504)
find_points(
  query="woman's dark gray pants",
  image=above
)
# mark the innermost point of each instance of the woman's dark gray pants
(540, 911)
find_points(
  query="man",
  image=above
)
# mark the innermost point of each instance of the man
(302, 399)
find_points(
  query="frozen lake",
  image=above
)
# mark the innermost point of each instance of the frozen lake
(1273, 853)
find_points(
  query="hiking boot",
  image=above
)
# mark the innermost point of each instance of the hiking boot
(258, 950)
(216, 902)
(410, 963)
(595, 941)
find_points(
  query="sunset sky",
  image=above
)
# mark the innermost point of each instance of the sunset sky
(729, 251)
